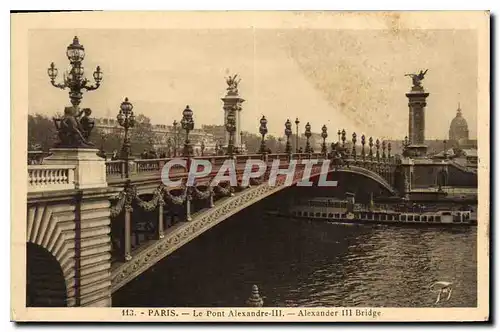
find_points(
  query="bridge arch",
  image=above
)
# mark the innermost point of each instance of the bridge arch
(50, 239)
(45, 282)
(364, 172)
(206, 219)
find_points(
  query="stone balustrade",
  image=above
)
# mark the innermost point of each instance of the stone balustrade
(143, 166)
(50, 177)
(114, 167)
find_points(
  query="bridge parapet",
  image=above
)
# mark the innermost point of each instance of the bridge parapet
(68, 226)
(50, 177)
(140, 167)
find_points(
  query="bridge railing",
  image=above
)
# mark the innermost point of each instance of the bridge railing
(50, 177)
(115, 167)
(378, 164)
(150, 165)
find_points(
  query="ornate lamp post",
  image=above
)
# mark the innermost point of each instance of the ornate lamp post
(231, 128)
(241, 142)
(363, 142)
(354, 140)
(75, 80)
(176, 137)
(169, 147)
(202, 148)
(187, 124)
(126, 119)
(308, 134)
(288, 132)
(324, 135)
(217, 148)
(297, 135)
(338, 134)
(101, 152)
(406, 143)
(263, 132)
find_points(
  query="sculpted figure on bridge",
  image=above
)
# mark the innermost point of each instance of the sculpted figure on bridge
(232, 84)
(339, 154)
(417, 78)
(72, 131)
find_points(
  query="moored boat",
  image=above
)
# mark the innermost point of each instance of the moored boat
(332, 209)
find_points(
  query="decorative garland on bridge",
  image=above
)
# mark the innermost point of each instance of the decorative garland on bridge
(157, 199)
(160, 196)
(203, 194)
(256, 181)
(120, 203)
(225, 190)
(177, 200)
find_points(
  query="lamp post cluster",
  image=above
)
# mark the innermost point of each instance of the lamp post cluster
(241, 142)
(75, 79)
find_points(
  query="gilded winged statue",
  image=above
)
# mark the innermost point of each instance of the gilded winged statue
(232, 84)
(417, 78)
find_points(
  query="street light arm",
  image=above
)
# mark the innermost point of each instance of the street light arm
(88, 87)
(61, 86)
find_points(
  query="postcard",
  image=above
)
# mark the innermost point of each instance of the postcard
(265, 166)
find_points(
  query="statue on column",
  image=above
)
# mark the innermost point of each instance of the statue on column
(232, 84)
(73, 130)
(417, 78)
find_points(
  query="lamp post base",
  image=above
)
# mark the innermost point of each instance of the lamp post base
(90, 169)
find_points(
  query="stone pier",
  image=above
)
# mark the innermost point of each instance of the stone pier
(68, 243)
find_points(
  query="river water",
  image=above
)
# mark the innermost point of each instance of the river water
(311, 263)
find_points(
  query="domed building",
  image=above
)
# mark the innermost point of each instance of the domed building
(459, 130)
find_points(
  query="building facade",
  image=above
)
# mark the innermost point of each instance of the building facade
(165, 136)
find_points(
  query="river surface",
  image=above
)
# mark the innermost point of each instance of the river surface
(310, 263)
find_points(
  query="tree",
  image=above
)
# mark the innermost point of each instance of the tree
(142, 135)
(41, 132)
(108, 142)
(252, 142)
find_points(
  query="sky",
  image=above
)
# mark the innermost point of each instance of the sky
(352, 79)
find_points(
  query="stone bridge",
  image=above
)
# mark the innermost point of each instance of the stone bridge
(87, 238)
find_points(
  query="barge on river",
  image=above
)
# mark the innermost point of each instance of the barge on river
(336, 210)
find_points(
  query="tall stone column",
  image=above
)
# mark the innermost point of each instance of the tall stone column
(232, 103)
(416, 121)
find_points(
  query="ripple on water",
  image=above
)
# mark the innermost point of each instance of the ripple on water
(312, 264)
